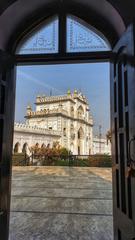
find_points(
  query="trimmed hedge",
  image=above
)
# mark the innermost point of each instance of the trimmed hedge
(100, 161)
(91, 161)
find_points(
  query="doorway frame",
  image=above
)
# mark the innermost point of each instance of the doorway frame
(62, 57)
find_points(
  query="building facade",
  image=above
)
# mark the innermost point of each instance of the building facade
(101, 146)
(26, 136)
(65, 119)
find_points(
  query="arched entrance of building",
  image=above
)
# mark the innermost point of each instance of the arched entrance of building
(17, 147)
(122, 104)
(80, 141)
(25, 148)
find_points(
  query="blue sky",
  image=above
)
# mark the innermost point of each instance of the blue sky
(92, 79)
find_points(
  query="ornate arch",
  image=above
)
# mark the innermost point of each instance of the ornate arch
(16, 147)
(29, 13)
(72, 111)
(80, 133)
(43, 145)
(25, 147)
(72, 132)
(80, 112)
(72, 148)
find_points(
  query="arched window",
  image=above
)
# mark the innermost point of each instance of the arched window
(72, 128)
(43, 145)
(64, 132)
(80, 37)
(72, 148)
(80, 112)
(37, 145)
(72, 132)
(44, 39)
(72, 111)
(80, 133)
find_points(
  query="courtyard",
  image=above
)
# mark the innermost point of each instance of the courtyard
(61, 203)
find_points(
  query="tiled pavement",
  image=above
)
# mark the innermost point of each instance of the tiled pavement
(61, 203)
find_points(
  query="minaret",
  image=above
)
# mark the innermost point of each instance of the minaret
(38, 98)
(69, 92)
(29, 109)
(75, 92)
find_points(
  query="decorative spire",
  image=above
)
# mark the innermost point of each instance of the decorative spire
(75, 92)
(29, 109)
(38, 98)
(69, 92)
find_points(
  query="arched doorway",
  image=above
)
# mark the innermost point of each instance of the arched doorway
(80, 112)
(25, 148)
(17, 147)
(80, 141)
(6, 76)
(72, 147)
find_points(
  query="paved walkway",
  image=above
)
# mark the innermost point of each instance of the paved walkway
(61, 203)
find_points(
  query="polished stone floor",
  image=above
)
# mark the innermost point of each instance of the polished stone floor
(61, 203)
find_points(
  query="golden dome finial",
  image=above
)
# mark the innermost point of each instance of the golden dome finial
(29, 106)
(69, 92)
(75, 92)
(29, 109)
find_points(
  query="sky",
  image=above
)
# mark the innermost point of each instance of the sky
(92, 79)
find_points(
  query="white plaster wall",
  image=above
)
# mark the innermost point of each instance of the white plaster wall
(58, 123)
(105, 148)
(32, 138)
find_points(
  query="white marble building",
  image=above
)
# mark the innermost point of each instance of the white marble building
(101, 146)
(66, 119)
(26, 136)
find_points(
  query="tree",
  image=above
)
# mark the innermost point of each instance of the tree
(109, 136)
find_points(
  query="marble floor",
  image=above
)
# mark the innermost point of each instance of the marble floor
(61, 203)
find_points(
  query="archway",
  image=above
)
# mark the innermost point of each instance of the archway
(43, 146)
(72, 132)
(17, 147)
(80, 141)
(72, 147)
(72, 111)
(25, 148)
(83, 48)
(80, 112)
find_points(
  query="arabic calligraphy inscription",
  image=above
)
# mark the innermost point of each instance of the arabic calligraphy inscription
(82, 39)
(44, 40)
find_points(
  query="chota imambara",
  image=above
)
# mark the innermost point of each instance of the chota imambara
(65, 119)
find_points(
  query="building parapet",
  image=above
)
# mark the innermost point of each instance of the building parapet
(69, 97)
(98, 139)
(46, 112)
(22, 127)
